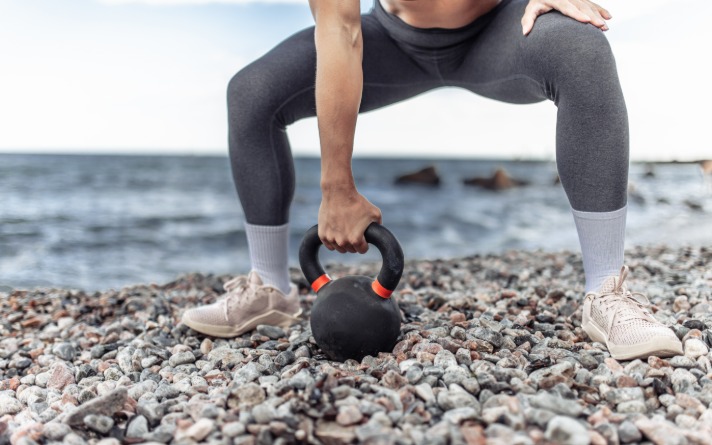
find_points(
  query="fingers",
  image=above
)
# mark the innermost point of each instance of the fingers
(584, 11)
(603, 11)
(597, 19)
(532, 11)
(567, 8)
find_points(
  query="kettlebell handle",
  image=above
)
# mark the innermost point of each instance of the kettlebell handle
(376, 234)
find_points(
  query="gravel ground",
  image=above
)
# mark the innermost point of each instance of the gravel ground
(491, 352)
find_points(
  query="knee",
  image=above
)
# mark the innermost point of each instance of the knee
(569, 46)
(240, 92)
(248, 96)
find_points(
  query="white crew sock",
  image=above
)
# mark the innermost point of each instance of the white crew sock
(602, 239)
(269, 253)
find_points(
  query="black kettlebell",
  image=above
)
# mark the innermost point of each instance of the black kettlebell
(354, 316)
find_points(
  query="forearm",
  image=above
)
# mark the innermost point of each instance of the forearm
(339, 83)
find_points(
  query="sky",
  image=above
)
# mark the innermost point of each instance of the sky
(149, 76)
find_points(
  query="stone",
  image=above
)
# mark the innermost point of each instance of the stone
(660, 431)
(226, 355)
(285, 358)
(200, 429)
(65, 351)
(60, 376)
(632, 406)
(273, 332)
(425, 176)
(445, 359)
(566, 431)
(56, 430)
(166, 391)
(9, 405)
(264, 412)
(105, 405)
(488, 335)
(628, 432)
(455, 374)
(181, 358)
(558, 405)
(459, 415)
(249, 394)
(331, 433)
(621, 395)
(349, 415)
(100, 424)
(233, 429)
(137, 427)
(393, 380)
(425, 392)
(681, 361)
(694, 347)
(499, 180)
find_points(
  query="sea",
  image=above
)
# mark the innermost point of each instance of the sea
(96, 222)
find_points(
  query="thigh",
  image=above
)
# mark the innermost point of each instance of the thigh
(502, 64)
(390, 74)
(281, 83)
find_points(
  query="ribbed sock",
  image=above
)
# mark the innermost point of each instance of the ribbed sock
(602, 239)
(269, 253)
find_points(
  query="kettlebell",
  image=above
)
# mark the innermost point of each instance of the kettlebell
(354, 316)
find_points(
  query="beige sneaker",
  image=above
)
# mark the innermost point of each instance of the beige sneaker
(619, 319)
(247, 303)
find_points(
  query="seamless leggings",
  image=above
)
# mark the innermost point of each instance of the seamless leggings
(562, 60)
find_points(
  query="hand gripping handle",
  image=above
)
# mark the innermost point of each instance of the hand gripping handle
(376, 234)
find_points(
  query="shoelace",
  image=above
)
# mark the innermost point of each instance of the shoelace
(635, 303)
(235, 288)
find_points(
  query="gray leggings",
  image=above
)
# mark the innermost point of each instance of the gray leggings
(562, 60)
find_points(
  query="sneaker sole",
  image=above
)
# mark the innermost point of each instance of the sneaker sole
(272, 318)
(659, 347)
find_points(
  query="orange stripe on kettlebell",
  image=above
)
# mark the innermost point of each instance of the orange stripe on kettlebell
(320, 282)
(380, 290)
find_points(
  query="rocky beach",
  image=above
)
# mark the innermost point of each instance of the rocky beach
(491, 352)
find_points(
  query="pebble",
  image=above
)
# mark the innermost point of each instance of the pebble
(181, 358)
(65, 351)
(137, 427)
(9, 405)
(105, 405)
(272, 332)
(348, 415)
(695, 347)
(566, 431)
(628, 432)
(490, 351)
(100, 424)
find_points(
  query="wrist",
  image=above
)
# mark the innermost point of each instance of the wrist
(337, 178)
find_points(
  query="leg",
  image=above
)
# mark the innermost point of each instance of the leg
(275, 91)
(571, 64)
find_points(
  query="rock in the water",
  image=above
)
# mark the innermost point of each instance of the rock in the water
(426, 176)
(500, 180)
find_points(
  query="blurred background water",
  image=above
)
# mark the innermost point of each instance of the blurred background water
(95, 221)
